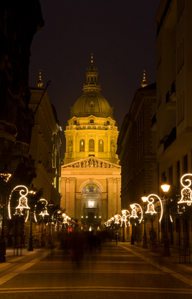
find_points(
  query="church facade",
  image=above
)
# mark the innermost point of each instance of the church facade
(91, 174)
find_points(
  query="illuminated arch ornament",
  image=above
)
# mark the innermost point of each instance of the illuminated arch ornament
(117, 219)
(66, 218)
(44, 212)
(151, 206)
(134, 211)
(125, 217)
(23, 202)
(186, 192)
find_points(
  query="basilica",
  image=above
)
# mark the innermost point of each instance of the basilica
(91, 174)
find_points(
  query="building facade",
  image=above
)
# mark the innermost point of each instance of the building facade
(45, 146)
(90, 176)
(137, 148)
(174, 90)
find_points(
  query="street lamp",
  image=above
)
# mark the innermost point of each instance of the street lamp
(144, 199)
(165, 188)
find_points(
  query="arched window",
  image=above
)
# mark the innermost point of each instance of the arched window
(82, 145)
(101, 145)
(91, 145)
(91, 121)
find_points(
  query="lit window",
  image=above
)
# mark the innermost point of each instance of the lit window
(91, 145)
(82, 145)
(101, 145)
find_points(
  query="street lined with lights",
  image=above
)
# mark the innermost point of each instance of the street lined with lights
(116, 268)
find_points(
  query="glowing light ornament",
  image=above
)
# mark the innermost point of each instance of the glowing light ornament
(66, 218)
(125, 217)
(151, 206)
(117, 219)
(134, 211)
(5, 176)
(186, 192)
(23, 202)
(44, 212)
(56, 216)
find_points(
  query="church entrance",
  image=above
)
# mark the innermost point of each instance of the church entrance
(91, 205)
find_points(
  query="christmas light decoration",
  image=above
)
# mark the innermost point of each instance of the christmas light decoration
(117, 219)
(44, 212)
(134, 211)
(66, 218)
(186, 192)
(125, 217)
(23, 202)
(151, 206)
(5, 176)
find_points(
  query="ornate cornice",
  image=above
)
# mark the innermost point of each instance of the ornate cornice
(91, 162)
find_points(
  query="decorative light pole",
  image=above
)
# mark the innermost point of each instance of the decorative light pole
(144, 199)
(30, 240)
(42, 214)
(152, 213)
(134, 216)
(2, 240)
(165, 188)
(125, 221)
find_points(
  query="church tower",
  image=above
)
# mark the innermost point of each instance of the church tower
(91, 129)
(91, 174)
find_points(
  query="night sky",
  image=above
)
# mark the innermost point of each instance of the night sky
(120, 34)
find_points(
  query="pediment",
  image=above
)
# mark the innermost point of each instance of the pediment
(92, 162)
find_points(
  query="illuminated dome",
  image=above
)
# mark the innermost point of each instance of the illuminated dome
(92, 102)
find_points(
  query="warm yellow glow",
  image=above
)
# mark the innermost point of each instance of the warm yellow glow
(23, 201)
(125, 217)
(186, 192)
(144, 198)
(134, 211)
(151, 207)
(5, 176)
(165, 188)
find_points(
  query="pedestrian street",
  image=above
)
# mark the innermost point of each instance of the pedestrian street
(115, 270)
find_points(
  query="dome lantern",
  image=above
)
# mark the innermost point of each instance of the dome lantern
(92, 102)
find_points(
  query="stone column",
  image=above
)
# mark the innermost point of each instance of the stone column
(111, 205)
(63, 192)
(78, 198)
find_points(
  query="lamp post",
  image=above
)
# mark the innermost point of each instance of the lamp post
(124, 221)
(152, 214)
(165, 188)
(134, 215)
(30, 240)
(2, 240)
(144, 199)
